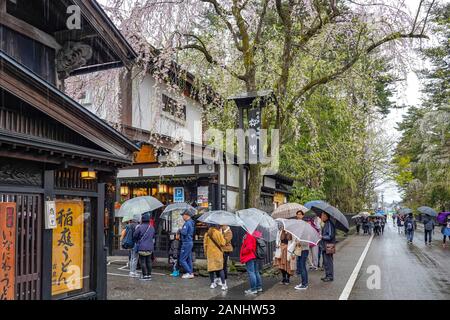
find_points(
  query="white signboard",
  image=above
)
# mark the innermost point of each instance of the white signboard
(50, 215)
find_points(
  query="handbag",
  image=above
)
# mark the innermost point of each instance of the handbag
(277, 254)
(330, 248)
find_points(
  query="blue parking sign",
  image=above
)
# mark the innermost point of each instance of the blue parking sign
(178, 194)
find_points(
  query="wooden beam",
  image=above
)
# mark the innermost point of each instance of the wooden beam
(28, 30)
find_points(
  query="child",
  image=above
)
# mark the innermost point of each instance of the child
(174, 254)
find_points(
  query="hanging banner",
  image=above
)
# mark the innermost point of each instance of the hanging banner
(7, 250)
(67, 257)
(254, 125)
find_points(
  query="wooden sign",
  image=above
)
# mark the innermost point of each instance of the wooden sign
(145, 155)
(67, 257)
(7, 250)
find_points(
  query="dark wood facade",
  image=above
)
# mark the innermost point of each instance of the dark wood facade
(47, 139)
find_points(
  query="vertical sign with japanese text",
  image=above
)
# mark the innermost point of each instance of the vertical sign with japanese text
(67, 258)
(254, 124)
(7, 250)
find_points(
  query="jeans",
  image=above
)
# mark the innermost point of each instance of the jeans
(328, 265)
(410, 235)
(186, 257)
(253, 274)
(428, 236)
(301, 267)
(133, 260)
(146, 265)
(220, 274)
(314, 256)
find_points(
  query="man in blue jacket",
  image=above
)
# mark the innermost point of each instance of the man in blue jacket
(187, 244)
(328, 237)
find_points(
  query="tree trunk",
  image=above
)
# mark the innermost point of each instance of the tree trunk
(254, 186)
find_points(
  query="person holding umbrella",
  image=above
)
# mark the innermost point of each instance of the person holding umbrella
(249, 258)
(428, 226)
(328, 246)
(282, 259)
(144, 238)
(213, 244)
(227, 250)
(444, 218)
(127, 241)
(187, 244)
(410, 226)
(301, 252)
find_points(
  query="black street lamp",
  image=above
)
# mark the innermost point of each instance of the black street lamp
(246, 103)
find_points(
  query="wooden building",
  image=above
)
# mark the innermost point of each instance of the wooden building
(58, 161)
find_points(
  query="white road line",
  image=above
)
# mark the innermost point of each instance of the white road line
(351, 281)
(126, 275)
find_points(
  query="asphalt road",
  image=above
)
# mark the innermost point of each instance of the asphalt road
(384, 267)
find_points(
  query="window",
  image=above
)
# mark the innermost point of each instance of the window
(173, 108)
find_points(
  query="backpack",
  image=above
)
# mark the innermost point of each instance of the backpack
(260, 248)
(128, 242)
(409, 226)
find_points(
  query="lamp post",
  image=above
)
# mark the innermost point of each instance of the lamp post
(245, 103)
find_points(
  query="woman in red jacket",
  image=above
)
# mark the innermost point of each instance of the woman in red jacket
(248, 257)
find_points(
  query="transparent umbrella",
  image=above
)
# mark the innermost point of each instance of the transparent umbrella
(181, 207)
(288, 210)
(220, 217)
(364, 214)
(135, 207)
(257, 220)
(301, 230)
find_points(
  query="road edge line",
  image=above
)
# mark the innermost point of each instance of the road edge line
(351, 281)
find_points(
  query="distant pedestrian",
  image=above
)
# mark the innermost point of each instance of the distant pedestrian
(365, 225)
(128, 243)
(300, 252)
(428, 226)
(282, 259)
(383, 224)
(327, 244)
(445, 231)
(399, 225)
(144, 237)
(213, 244)
(314, 249)
(227, 250)
(174, 254)
(249, 258)
(410, 226)
(187, 244)
(371, 226)
(377, 227)
(358, 225)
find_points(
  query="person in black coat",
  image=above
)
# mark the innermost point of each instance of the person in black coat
(328, 237)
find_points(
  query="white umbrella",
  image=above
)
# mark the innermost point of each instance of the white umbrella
(257, 220)
(133, 208)
(301, 230)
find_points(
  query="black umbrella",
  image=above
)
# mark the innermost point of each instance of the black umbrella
(340, 220)
(428, 211)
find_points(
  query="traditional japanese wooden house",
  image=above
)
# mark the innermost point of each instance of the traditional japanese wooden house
(58, 161)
